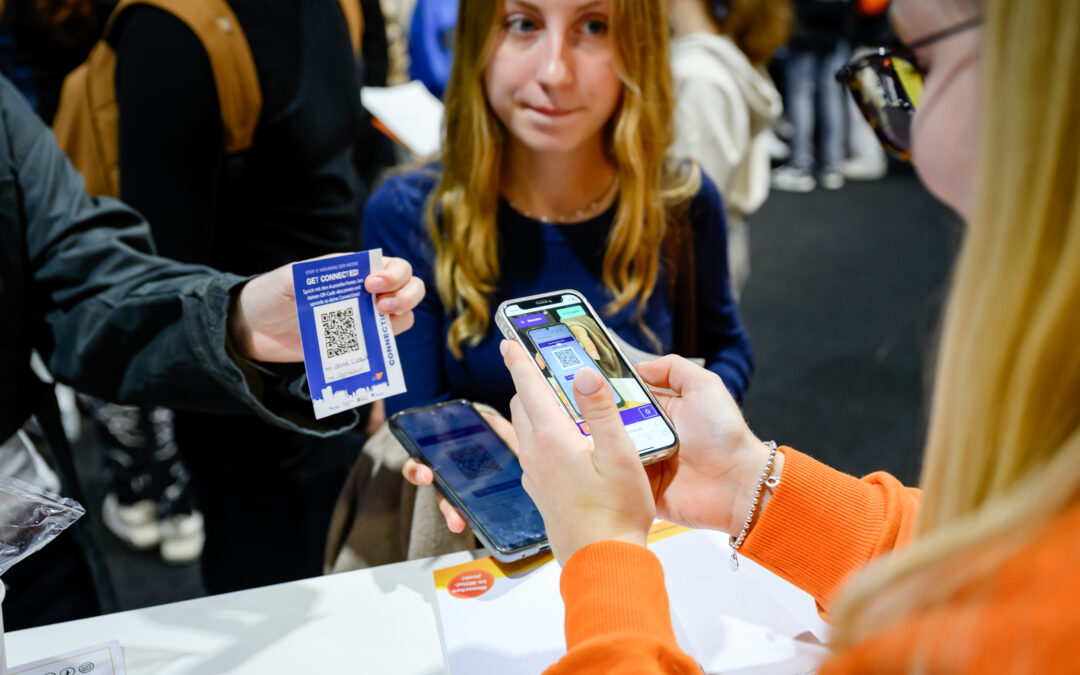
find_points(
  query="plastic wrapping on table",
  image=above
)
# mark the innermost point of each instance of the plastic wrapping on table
(29, 519)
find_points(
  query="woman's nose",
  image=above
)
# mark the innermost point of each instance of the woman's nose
(555, 68)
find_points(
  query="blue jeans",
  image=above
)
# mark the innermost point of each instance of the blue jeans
(810, 75)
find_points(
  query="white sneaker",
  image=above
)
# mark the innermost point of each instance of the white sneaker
(865, 168)
(136, 524)
(791, 179)
(182, 538)
(779, 151)
(831, 179)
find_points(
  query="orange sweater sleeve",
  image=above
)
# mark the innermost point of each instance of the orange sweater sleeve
(821, 525)
(617, 614)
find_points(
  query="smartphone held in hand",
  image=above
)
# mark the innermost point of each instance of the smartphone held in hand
(476, 471)
(564, 334)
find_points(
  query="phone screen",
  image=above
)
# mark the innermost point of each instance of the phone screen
(561, 332)
(478, 468)
(564, 356)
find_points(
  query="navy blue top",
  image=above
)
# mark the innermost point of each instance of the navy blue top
(537, 258)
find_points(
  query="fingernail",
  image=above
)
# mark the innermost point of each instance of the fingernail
(376, 284)
(503, 346)
(389, 305)
(588, 382)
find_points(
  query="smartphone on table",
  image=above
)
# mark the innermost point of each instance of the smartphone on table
(476, 471)
(564, 334)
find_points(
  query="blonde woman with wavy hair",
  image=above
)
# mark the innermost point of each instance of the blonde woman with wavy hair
(553, 175)
(975, 572)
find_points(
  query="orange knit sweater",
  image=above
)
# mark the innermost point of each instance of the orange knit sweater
(819, 527)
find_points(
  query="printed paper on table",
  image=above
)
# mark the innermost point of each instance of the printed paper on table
(508, 617)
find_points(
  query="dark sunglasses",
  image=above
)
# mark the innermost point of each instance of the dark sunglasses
(888, 85)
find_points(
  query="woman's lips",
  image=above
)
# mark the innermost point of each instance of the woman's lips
(551, 112)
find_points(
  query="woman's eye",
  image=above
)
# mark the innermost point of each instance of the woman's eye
(594, 27)
(520, 24)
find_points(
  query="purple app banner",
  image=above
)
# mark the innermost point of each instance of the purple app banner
(529, 320)
(638, 414)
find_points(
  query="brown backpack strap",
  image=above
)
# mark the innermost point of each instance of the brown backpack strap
(354, 19)
(231, 62)
(680, 260)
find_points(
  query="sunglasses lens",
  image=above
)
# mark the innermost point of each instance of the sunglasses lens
(887, 90)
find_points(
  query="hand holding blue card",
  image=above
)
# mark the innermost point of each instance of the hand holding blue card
(350, 353)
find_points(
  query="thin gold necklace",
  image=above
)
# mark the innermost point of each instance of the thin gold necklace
(579, 215)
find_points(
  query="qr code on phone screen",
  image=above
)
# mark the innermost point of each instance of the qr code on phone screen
(339, 329)
(474, 461)
(567, 359)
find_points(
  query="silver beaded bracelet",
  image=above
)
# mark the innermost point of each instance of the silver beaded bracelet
(764, 480)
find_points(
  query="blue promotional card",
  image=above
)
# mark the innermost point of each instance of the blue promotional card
(350, 353)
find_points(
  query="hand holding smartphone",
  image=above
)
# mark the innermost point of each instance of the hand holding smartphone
(477, 473)
(563, 334)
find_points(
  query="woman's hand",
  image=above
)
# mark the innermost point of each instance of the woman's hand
(263, 324)
(587, 489)
(710, 483)
(420, 475)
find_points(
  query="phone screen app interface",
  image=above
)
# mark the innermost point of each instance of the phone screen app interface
(563, 337)
(479, 469)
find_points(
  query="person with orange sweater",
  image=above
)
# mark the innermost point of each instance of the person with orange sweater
(975, 572)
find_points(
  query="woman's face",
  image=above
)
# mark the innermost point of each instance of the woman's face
(945, 129)
(551, 78)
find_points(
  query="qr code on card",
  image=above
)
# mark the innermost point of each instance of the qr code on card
(567, 358)
(339, 327)
(341, 340)
(474, 461)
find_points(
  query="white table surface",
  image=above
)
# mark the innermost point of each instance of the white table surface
(378, 620)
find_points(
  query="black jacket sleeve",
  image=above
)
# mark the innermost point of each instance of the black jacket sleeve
(110, 317)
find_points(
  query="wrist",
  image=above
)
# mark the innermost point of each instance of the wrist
(584, 539)
(767, 480)
(236, 332)
(767, 492)
(754, 454)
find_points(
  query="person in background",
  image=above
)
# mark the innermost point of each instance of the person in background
(80, 284)
(43, 40)
(298, 191)
(815, 101)
(149, 501)
(725, 101)
(866, 158)
(974, 573)
(431, 43)
(148, 498)
(555, 174)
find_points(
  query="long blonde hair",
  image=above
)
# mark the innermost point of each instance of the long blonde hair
(461, 212)
(1002, 457)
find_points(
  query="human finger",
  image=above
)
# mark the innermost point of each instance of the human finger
(675, 373)
(535, 395)
(612, 446)
(417, 473)
(404, 299)
(394, 274)
(454, 521)
(519, 419)
(502, 428)
(402, 322)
